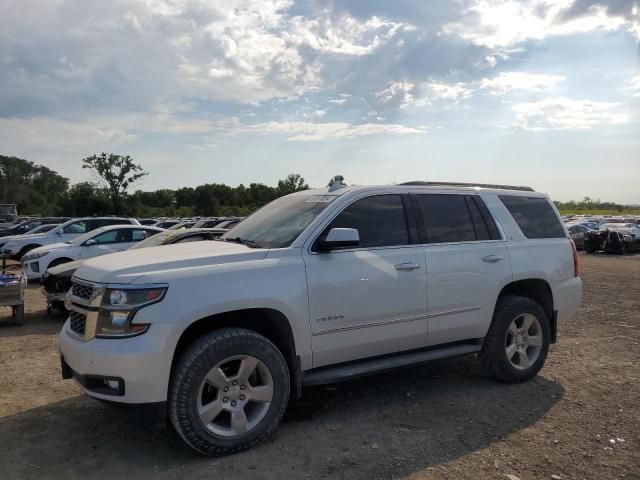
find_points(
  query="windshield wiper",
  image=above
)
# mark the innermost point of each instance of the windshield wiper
(243, 241)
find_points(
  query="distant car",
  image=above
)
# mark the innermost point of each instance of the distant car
(56, 281)
(28, 225)
(69, 230)
(147, 221)
(166, 223)
(181, 225)
(211, 222)
(577, 233)
(591, 225)
(95, 243)
(35, 231)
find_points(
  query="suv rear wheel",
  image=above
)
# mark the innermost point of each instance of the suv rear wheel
(517, 344)
(229, 391)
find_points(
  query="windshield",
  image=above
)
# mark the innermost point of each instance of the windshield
(279, 223)
(155, 240)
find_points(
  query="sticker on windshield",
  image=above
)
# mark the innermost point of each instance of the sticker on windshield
(320, 199)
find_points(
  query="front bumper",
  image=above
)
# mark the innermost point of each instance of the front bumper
(141, 363)
(32, 269)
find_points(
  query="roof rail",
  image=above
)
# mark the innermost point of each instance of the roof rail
(460, 184)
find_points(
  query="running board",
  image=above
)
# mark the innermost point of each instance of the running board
(342, 373)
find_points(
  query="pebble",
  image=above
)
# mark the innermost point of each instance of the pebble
(556, 477)
(375, 446)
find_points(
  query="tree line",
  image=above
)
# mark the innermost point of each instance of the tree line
(38, 190)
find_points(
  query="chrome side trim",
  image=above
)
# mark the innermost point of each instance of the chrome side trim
(452, 312)
(373, 324)
(397, 320)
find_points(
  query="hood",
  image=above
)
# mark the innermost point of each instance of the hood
(160, 264)
(64, 270)
(51, 246)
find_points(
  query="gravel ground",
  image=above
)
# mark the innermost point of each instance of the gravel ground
(579, 419)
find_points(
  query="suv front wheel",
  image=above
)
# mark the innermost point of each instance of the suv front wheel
(517, 344)
(229, 391)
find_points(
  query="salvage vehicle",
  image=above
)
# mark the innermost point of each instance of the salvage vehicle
(56, 280)
(611, 240)
(100, 241)
(69, 230)
(317, 287)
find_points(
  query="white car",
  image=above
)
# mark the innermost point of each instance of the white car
(38, 230)
(62, 233)
(100, 241)
(317, 287)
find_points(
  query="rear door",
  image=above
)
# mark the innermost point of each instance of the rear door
(369, 300)
(467, 265)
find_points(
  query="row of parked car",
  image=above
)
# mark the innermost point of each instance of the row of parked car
(52, 248)
(603, 233)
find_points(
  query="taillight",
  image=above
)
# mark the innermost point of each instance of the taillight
(576, 263)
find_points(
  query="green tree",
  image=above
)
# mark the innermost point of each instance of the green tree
(337, 178)
(114, 174)
(293, 183)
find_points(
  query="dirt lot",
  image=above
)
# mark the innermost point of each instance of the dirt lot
(579, 419)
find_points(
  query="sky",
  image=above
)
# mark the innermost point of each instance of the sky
(528, 92)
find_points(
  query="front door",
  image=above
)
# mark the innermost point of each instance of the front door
(369, 300)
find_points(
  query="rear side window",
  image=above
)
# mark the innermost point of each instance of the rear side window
(534, 215)
(455, 218)
(380, 221)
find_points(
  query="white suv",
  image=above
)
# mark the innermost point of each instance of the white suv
(18, 246)
(317, 287)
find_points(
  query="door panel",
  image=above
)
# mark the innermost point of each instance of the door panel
(361, 305)
(463, 284)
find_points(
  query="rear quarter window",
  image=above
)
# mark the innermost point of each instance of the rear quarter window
(534, 215)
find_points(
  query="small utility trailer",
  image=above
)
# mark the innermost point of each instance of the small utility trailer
(12, 284)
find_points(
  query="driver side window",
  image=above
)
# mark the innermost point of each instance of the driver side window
(380, 221)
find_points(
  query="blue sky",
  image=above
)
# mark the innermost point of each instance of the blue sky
(536, 92)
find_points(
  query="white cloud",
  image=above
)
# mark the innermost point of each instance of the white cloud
(407, 94)
(313, 132)
(567, 114)
(398, 94)
(633, 86)
(431, 91)
(506, 82)
(500, 23)
(337, 101)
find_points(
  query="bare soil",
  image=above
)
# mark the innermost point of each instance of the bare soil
(579, 419)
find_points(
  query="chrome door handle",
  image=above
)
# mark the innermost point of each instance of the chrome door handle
(492, 258)
(407, 267)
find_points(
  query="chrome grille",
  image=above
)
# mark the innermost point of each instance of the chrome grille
(81, 290)
(77, 322)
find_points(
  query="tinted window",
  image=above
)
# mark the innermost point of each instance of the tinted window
(447, 218)
(77, 227)
(107, 237)
(102, 222)
(380, 221)
(534, 215)
(138, 235)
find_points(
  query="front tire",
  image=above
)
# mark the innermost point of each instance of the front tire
(228, 391)
(517, 344)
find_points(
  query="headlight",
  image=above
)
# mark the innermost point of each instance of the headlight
(33, 256)
(119, 305)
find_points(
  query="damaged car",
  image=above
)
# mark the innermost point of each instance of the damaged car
(618, 241)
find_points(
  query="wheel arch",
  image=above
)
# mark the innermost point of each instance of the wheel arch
(268, 322)
(27, 248)
(537, 290)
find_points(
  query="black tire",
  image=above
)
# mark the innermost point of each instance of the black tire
(195, 363)
(494, 355)
(18, 312)
(58, 261)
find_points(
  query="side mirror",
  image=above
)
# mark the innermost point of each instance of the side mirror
(339, 238)
(90, 242)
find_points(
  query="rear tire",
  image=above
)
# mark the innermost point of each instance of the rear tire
(228, 391)
(18, 312)
(517, 344)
